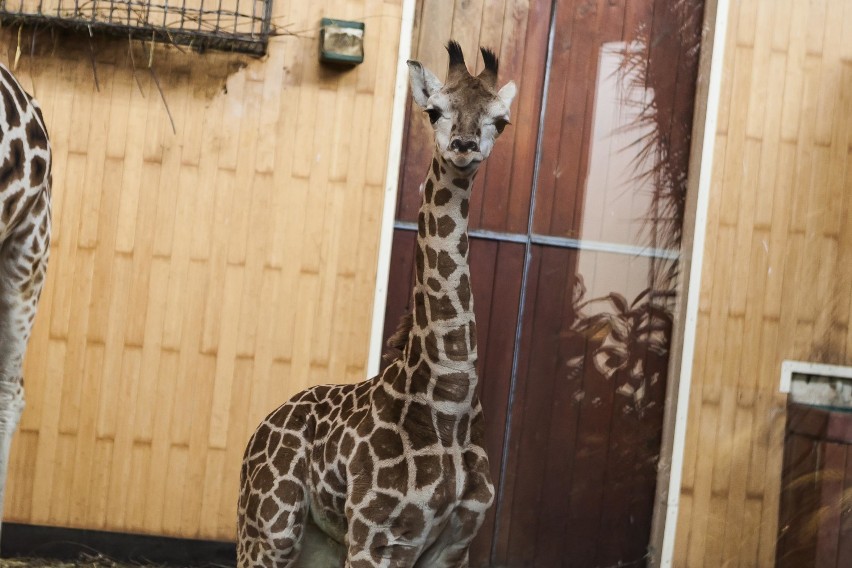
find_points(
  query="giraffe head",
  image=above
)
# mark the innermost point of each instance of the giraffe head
(467, 112)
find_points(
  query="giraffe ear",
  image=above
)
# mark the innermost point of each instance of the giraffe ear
(424, 84)
(507, 93)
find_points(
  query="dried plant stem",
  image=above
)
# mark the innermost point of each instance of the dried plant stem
(94, 64)
(18, 49)
(163, 96)
(151, 52)
(133, 65)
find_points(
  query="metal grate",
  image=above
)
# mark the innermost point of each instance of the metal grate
(230, 25)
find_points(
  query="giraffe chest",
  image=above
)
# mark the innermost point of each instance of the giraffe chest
(373, 475)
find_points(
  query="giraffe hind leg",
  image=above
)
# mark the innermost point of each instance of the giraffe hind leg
(23, 265)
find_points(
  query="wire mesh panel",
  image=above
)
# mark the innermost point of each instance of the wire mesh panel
(238, 25)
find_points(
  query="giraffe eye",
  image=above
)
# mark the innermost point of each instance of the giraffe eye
(500, 124)
(434, 114)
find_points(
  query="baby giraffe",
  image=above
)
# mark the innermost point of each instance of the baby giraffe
(393, 471)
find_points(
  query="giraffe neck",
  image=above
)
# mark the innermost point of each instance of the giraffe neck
(442, 342)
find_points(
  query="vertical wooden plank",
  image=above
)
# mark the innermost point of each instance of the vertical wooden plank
(84, 466)
(99, 485)
(46, 466)
(59, 509)
(20, 475)
(732, 543)
(191, 508)
(697, 523)
(158, 481)
(208, 520)
(238, 436)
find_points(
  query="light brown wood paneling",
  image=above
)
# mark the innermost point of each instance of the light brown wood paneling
(197, 278)
(777, 278)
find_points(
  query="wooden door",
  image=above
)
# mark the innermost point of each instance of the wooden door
(575, 231)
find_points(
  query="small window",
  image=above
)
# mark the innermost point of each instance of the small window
(816, 384)
(229, 25)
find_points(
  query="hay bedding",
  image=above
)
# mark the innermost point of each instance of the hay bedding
(84, 561)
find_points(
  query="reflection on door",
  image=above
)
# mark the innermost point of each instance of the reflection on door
(622, 298)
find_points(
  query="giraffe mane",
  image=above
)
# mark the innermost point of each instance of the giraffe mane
(396, 342)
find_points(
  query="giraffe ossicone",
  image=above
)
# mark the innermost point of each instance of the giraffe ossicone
(25, 180)
(393, 471)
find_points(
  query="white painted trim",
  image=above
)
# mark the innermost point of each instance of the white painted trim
(692, 301)
(400, 98)
(788, 368)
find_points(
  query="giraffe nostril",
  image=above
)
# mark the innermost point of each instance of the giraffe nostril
(470, 146)
(462, 145)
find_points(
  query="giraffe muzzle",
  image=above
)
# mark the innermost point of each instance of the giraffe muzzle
(464, 145)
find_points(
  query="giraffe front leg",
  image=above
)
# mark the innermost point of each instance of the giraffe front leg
(451, 550)
(378, 538)
(374, 555)
(23, 266)
(274, 502)
(11, 408)
(271, 540)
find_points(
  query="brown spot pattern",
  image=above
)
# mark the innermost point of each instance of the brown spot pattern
(463, 243)
(420, 310)
(443, 196)
(13, 167)
(36, 137)
(427, 470)
(386, 443)
(10, 205)
(452, 387)
(431, 257)
(420, 378)
(446, 226)
(446, 264)
(431, 346)
(19, 94)
(441, 308)
(455, 344)
(13, 115)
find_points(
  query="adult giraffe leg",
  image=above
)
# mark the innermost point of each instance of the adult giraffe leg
(23, 265)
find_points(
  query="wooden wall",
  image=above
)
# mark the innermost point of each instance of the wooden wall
(197, 278)
(778, 266)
